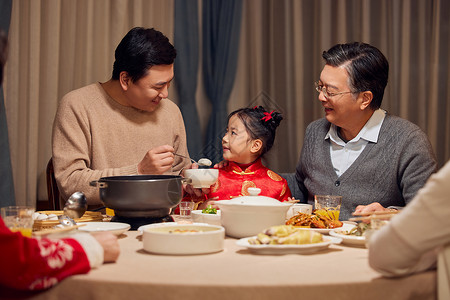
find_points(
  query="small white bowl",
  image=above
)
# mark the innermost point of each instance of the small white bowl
(298, 208)
(201, 178)
(161, 239)
(212, 219)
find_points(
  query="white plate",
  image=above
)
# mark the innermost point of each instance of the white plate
(113, 227)
(351, 240)
(288, 249)
(347, 226)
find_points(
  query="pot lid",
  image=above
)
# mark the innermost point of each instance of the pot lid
(253, 199)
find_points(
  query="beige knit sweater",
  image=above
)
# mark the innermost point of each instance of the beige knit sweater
(419, 236)
(94, 137)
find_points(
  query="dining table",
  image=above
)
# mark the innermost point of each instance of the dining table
(336, 272)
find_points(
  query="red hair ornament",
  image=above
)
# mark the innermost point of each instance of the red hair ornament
(267, 116)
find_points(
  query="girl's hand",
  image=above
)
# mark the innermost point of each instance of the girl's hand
(211, 201)
(194, 192)
(292, 200)
(221, 164)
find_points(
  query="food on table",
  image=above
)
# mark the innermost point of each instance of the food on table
(332, 214)
(314, 221)
(286, 235)
(358, 230)
(184, 231)
(209, 210)
(42, 216)
(204, 162)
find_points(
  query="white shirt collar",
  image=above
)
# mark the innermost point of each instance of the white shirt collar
(369, 132)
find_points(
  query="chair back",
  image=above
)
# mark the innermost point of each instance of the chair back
(52, 188)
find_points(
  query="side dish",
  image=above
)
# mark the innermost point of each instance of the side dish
(314, 221)
(184, 231)
(209, 210)
(286, 235)
(358, 230)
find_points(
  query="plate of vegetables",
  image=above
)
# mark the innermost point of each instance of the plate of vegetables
(208, 215)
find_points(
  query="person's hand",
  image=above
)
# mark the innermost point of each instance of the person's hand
(221, 164)
(211, 201)
(195, 192)
(157, 160)
(292, 200)
(366, 209)
(110, 245)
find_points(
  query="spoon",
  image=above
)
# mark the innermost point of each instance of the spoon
(185, 157)
(75, 206)
(66, 221)
(202, 162)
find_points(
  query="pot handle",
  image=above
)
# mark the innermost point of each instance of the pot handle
(98, 184)
(186, 180)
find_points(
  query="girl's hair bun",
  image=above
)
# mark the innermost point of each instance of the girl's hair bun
(270, 119)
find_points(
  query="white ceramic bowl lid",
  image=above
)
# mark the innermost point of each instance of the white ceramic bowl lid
(252, 199)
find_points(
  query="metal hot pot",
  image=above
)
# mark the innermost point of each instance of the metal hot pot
(150, 196)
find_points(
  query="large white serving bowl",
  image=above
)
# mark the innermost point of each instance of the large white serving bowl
(248, 215)
(161, 239)
(212, 219)
(201, 178)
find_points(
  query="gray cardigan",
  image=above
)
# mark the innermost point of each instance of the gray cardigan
(390, 171)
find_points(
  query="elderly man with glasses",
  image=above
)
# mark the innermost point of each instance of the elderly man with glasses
(372, 159)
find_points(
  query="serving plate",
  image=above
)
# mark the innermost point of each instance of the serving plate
(351, 240)
(116, 228)
(288, 249)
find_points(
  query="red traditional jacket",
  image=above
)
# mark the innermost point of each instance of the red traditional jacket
(234, 181)
(35, 264)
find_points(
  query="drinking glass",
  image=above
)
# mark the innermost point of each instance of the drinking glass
(18, 218)
(328, 205)
(185, 211)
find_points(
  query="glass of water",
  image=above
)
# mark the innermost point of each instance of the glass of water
(185, 211)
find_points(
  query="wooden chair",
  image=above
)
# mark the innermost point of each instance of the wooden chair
(52, 188)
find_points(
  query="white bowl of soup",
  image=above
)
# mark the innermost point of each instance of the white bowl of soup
(182, 239)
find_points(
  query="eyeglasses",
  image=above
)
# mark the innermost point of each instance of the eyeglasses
(326, 94)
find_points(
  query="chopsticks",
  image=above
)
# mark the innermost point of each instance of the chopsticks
(56, 230)
(387, 214)
(383, 212)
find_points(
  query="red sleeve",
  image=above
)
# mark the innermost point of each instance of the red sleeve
(34, 263)
(286, 190)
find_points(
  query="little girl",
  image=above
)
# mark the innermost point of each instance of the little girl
(250, 134)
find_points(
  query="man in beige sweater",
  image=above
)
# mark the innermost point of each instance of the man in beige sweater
(125, 126)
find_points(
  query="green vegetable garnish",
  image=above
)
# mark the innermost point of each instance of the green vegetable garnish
(209, 210)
